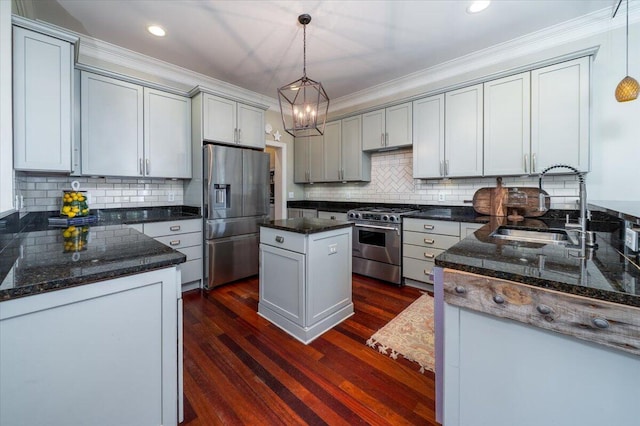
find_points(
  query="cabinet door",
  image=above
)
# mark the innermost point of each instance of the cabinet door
(428, 133)
(463, 132)
(398, 131)
(219, 119)
(560, 115)
(332, 140)
(112, 127)
(167, 135)
(42, 70)
(316, 159)
(301, 159)
(356, 165)
(507, 122)
(250, 126)
(373, 129)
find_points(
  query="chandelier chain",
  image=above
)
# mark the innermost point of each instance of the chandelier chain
(304, 49)
(627, 40)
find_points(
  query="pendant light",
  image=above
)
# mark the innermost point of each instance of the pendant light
(303, 103)
(627, 89)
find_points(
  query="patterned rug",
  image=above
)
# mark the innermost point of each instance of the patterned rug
(410, 334)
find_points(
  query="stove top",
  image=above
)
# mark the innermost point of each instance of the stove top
(379, 214)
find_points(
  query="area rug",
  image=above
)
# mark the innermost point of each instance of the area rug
(410, 334)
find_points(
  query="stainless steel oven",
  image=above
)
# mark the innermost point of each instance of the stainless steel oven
(377, 242)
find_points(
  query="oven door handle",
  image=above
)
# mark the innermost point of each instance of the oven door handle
(386, 228)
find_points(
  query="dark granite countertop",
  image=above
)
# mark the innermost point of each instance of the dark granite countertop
(609, 272)
(306, 225)
(37, 258)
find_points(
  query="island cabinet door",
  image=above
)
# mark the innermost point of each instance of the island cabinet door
(282, 289)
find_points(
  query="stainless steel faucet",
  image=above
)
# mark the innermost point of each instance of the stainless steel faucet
(584, 213)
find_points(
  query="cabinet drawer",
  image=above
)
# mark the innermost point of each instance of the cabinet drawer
(181, 240)
(157, 229)
(283, 239)
(332, 215)
(420, 253)
(429, 240)
(442, 227)
(419, 270)
(191, 270)
(192, 253)
(597, 321)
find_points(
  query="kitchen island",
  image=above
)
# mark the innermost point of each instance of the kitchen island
(530, 333)
(89, 320)
(305, 275)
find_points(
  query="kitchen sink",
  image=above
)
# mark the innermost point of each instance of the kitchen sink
(535, 235)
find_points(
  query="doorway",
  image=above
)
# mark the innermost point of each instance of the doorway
(278, 152)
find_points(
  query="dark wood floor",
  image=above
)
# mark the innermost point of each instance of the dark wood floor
(241, 369)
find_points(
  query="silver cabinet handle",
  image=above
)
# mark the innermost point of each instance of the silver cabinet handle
(381, 139)
(429, 255)
(446, 168)
(386, 139)
(429, 241)
(498, 299)
(533, 163)
(429, 227)
(544, 309)
(441, 168)
(148, 166)
(174, 243)
(279, 239)
(235, 135)
(141, 167)
(459, 289)
(239, 135)
(600, 323)
(526, 161)
(174, 228)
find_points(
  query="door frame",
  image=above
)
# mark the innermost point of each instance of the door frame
(280, 184)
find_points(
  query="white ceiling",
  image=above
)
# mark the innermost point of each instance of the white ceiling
(351, 45)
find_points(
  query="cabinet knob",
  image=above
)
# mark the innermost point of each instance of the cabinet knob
(174, 243)
(428, 241)
(600, 323)
(333, 217)
(429, 227)
(279, 239)
(174, 228)
(459, 289)
(544, 309)
(498, 299)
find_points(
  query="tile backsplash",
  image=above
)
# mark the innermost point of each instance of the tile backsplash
(42, 192)
(392, 182)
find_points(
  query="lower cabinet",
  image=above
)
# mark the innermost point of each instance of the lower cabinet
(305, 280)
(332, 215)
(107, 353)
(294, 212)
(186, 237)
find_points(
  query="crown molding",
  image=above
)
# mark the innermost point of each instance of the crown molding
(531, 44)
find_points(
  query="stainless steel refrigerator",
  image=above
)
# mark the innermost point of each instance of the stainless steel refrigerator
(236, 202)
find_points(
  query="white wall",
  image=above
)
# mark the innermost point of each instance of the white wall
(6, 120)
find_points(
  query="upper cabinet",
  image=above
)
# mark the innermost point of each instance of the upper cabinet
(356, 165)
(332, 140)
(507, 103)
(308, 165)
(42, 101)
(387, 128)
(560, 115)
(231, 122)
(428, 137)
(129, 130)
(463, 132)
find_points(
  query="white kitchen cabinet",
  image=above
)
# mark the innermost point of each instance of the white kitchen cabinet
(231, 122)
(560, 115)
(42, 101)
(387, 128)
(305, 280)
(308, 165)
(507, 122)
(463, 132)
(186, 237)
(428, 137)
(105, 353)
(332, 140)
(129, 130)
(356, 164)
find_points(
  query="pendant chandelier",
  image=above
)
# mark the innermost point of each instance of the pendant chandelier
(627, 89)
(303, 103)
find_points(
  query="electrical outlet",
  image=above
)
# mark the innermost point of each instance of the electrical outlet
(631, 238)
(89, 198)
(291, 195)
(333, 248)
(172, 196)
(348, 195)
(442, 196)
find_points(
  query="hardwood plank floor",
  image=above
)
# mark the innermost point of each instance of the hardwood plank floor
(241, 369)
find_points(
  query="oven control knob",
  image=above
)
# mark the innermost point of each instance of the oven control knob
(385, 218)
(392, 219)
(351, 215)
(358, 215)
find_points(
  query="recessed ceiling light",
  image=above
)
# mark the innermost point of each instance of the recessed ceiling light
(156, 30)
(478, 6)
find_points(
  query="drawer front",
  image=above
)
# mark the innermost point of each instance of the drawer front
(192, 253)
(191, 270)
(441, 227)
(597, 321)
(429, 240)
(332, 215)
(283, 239)
(157, 229)
(418, 270)
(181, 240)
(420, 253)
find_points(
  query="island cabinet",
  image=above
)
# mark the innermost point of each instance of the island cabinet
(516, 354)
(105, 353)
(305, 275)
(42, 100)
(230, 122)
(387, 128)
(131, 130)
